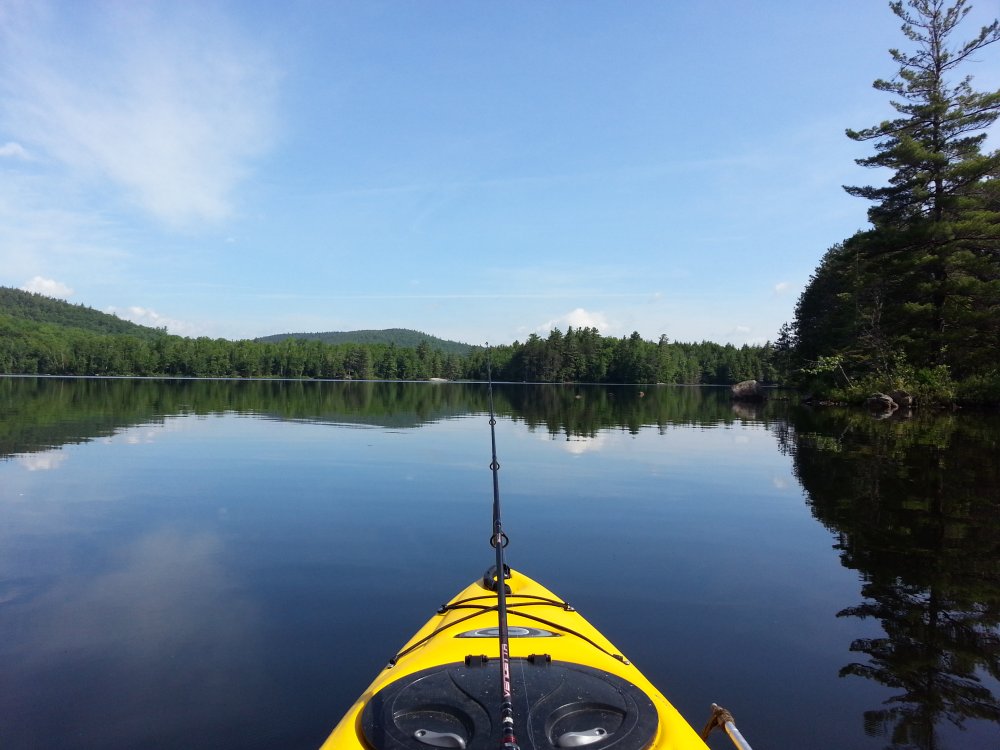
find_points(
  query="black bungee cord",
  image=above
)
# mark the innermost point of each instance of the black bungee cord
(499, 540)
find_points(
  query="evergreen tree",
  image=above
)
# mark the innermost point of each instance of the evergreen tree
(937, 220)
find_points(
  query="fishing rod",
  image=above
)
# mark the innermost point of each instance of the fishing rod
(499, 540)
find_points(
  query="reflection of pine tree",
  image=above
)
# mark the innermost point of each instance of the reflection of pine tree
(931, 652)
(913, 506)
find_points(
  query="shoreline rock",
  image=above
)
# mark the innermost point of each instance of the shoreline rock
(748, 390)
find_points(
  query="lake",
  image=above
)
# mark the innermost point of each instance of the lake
(227, 564)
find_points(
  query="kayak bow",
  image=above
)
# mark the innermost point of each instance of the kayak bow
(507, 642)
(571, 686)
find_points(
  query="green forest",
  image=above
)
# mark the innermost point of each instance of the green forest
(913, 302)
(42, 336)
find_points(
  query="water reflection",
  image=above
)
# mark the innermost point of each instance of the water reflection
(914, 506)
(247, 536)
(46, 461)
(37, 414)
(577, 446)
(102, 652)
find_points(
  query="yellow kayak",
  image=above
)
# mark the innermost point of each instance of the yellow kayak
(570, 686)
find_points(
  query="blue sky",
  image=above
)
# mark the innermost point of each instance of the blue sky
(475, 170)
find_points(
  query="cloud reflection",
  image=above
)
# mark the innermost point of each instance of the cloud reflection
(578, 445)
(164, 630)
(47, 461)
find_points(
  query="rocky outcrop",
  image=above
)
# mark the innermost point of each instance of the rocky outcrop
(748, 390)
(881, 402)
(903, 399)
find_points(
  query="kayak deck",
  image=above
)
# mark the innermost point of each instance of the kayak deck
(571, 686)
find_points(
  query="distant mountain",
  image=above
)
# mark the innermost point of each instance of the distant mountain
(402, 337)
(38, 308)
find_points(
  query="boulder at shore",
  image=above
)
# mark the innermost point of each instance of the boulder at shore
(748, 390)
(881, 402)
(903, 399)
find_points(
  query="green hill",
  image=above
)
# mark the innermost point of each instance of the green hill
(402, 337)
(37, 308)
(33, 308)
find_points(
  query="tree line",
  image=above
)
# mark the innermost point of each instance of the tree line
(914, 300)
(28, 348)
(583, 355)
(579, 355)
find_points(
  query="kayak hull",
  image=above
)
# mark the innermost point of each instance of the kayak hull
(556, 656)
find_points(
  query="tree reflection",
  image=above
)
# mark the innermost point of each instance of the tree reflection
(914, 505)
(42, 413)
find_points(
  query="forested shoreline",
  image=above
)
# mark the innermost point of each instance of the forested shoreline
(913, 302)
(29, 347)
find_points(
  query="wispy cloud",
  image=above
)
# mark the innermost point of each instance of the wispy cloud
(437, 296)
(12, 150)
(145, 316)
(41, 236)
(167, 103)
(48, 287)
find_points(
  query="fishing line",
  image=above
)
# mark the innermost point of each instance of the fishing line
(499, 540)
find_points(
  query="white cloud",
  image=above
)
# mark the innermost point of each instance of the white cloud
(169, 106)
(578, 318)
(12, 150)
(781, 287)
(48, 287)
(145, 316)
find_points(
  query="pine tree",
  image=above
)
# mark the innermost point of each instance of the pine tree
(934, 147)
(937, 218)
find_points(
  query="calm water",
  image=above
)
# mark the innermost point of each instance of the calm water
(228, 564)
